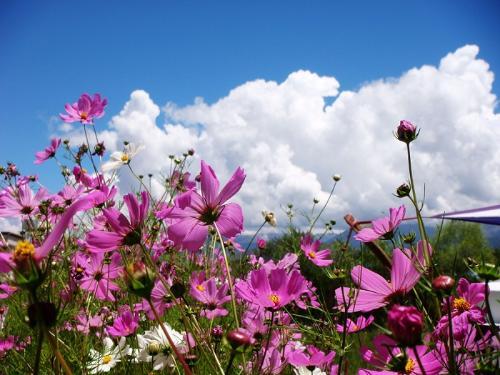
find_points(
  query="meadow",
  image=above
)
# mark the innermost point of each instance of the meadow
(102, 280)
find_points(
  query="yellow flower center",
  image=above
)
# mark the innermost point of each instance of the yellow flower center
(410, 365)
(106, 359)
(355, 328)
(274, 299)
(124, 158)
(200, 287)
(461, 304)
(24, 249)
(312, 254)
(84, 115)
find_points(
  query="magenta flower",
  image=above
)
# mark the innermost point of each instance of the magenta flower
(124, 325)
(100, 274)
(261, 244)
(352, 327)
(312, 358)
(273, 290)
(310, 249)
(389, 359)
(465, 309)
(193, 213)
(405, 323)
(26, 251)
(21, 202)
(124, 232)
(212, 297)
(383, 227)
(406, 131)
(85, 110)
(49, 152)
(375, 291)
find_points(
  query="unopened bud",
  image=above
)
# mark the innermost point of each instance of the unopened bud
(403, 190)
(238, 338)
(443, 283)
(336, 177)
(406, 131)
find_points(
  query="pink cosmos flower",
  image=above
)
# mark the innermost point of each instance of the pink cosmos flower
(124, 232)
(25, 251)
(6, 344)
(100, 275)
(21, 202)
(125, 324)
(375, 291)
(405, 323)
(389, 358)
(273, 290)
(49, 152)
(465, 308)
(352, 327)
(310, 249)
(312, 357)
(85, 110)
(212, 297)
(193, 213)
(383, 227)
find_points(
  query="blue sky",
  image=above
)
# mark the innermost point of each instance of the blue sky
(52, 51)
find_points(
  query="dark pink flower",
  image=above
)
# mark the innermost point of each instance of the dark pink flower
(360, 324)
(124, 325)
(405, 323)
(311, 250)
(383, 227)
(261, 243)
(124, 232)
(85, 110)
(406, 131)
(49, 152)
(273, 290)
(375, 291)
(212, 297)
(193, 213)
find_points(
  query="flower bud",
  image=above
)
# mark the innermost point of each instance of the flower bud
(336, 177)
(217, 332)
(409, 237)
(140, 279)
(191, 152)
(406, 132)
(261, 244)
(237, 338)
(443, 283)
(403, 191)
(405, 323)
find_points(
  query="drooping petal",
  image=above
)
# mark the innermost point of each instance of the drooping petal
(188, 233)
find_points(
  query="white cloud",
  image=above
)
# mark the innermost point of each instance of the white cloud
(291, 142)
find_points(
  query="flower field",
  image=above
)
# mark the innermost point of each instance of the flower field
(128, 282)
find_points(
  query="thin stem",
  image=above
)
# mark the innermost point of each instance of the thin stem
(421, 227)
(267, 342)
(419, 361)
(451, 353)
(255, 235)
(323, 208)
(36, 367)
(57, 353)
(88, 149)
(230, 363)
(230, 279)
(179, 356)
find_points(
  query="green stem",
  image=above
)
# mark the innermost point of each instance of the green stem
(255, 235)
(230, 280)
(451, 353)
(323, 208)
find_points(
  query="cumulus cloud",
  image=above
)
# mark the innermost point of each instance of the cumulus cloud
(291, 137)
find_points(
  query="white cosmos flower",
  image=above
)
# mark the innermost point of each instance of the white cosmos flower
(303, 370)
(154, 347)
(111, 355)
(120, 158)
